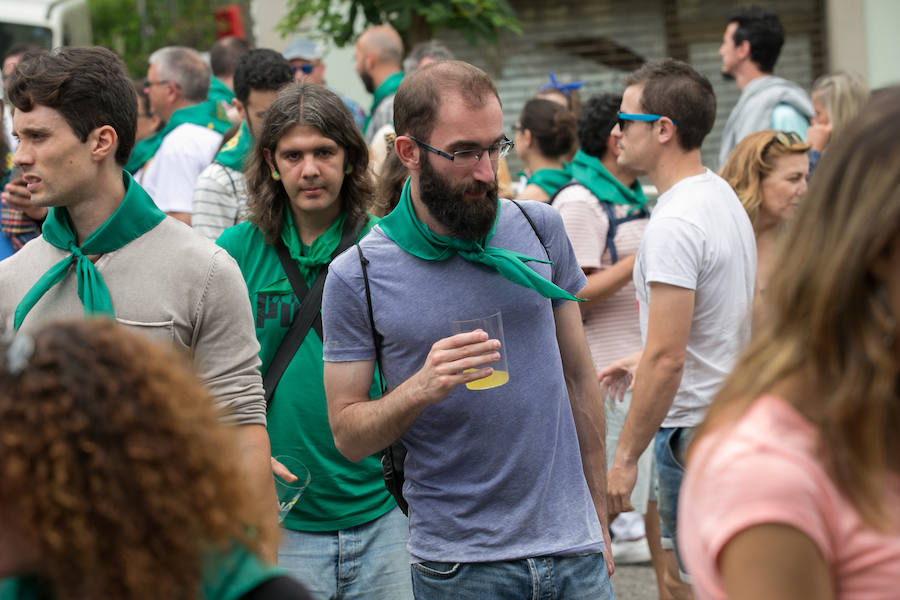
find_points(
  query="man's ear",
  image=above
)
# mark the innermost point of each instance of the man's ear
(407, 151)
(240, 108)
(666, 131)
(743, 49)
(103, 141)
(267, 154)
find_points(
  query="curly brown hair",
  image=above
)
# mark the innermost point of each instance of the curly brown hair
(114, 462)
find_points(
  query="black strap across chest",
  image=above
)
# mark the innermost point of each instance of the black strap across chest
(310, 314)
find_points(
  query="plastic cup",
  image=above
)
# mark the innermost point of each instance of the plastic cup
(493, 326)
(289, 492)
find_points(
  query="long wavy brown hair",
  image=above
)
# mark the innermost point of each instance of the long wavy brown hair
(317, 106)
(114, 463)
(828, 325)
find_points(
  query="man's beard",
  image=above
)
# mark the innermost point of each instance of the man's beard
(470, 219)
(727, 76)
(367, 81)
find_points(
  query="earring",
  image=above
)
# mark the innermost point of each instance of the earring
(275, 175)
(348, 170)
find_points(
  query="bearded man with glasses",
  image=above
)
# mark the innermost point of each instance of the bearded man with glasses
(505, 485)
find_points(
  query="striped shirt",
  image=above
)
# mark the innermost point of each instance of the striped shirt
(612, 328)
(220, 200)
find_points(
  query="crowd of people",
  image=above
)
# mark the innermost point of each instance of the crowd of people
(227, 276)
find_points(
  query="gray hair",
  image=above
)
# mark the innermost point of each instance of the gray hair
(435, 49)
(184, 67)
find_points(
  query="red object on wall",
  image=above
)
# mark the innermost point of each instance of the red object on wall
(229, 21)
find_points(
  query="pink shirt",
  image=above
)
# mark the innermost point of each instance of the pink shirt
(765, 469)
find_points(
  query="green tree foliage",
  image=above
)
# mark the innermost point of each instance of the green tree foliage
(134, 29)
(415, 20)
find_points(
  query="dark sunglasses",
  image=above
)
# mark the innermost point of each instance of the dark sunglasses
(787, 139)
(305, 69)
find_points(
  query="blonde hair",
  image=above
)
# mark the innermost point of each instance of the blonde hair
(751, 161)
(827, 319)
(843, 95)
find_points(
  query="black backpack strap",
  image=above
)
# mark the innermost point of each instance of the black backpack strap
(310, 313)
(534, 227)
(614, 226)
(557, 192)
(392, 457)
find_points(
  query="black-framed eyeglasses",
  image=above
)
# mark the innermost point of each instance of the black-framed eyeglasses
(148, 84)
(470, 158)
(624, 118)
(788, 139)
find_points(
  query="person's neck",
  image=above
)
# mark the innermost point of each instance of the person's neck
(98, 203)
(747, 73)
(674, 166)
(423, 214)
(381, 72)
(182, 103)
(228, 81)
(625, 175)
(537, 161)
(311, 224)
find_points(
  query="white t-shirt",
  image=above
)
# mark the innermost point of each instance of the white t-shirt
(170, 177)
(699, 237)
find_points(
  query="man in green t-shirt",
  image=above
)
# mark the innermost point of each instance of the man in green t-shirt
(309, 188)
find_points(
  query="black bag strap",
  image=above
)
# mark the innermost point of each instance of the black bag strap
(613, 227)
(534, 227)
(310, 313)
(394, 456)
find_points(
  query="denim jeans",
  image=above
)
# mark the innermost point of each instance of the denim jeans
(368, 561)
(671, 445)
(541, 578)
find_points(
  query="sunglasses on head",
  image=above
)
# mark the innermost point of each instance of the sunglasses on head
(787, 139)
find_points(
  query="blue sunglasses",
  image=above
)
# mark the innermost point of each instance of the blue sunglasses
(624, 118)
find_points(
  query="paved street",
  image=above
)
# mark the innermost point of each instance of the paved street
(634, 582)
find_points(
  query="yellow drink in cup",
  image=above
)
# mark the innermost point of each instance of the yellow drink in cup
(493, 326)
(495, 379)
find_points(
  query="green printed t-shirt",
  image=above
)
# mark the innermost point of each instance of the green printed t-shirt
(341, 494)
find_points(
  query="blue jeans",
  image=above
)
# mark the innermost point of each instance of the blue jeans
(368, 561)
(671, 445)
(543, 578)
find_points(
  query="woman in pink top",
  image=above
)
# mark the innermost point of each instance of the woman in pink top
(793, 481)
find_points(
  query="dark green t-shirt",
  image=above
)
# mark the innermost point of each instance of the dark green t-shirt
(340, 494)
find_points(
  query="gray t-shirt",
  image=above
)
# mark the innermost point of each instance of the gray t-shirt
(492, 474)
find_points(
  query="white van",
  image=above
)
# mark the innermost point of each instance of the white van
(44, 23)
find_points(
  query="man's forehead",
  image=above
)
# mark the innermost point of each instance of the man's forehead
(463, 115)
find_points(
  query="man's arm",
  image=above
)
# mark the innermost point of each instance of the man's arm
(656, 381)
(362, 426)
(587, 408)
(255, 460)
(603, 283)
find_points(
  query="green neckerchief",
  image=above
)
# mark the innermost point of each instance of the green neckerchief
(408, 232)
(218, 91)
(136, 215)
(590, 172)
(310, 258)
(550, 180)
(207, 114)
(236, 149)
(387, 87)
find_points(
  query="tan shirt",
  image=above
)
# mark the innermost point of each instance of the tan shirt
(171, 284)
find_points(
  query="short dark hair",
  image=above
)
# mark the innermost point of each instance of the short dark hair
(223, 55)
(596, 122)
(316, 106)
(88, 86)
(673, 89)
(551, 124)
(261, 69)
(418, 98)
(763, 29)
